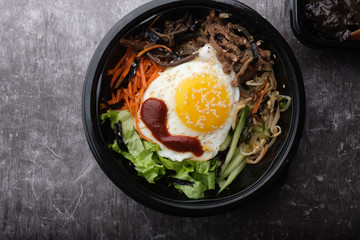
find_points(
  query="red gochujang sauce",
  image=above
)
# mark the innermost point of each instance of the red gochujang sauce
(153, 113)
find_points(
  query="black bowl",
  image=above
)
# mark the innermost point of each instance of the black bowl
(254, 180)
(308, 35)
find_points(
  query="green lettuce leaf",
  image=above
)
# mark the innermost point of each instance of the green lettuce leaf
(115, 117)
(147, 167)
(150, 165)
(196, 191)
(206, 172)
(141, 153)
(144, 163)
(151, 146)
(202, 174)
(131, 138)
(169, 164)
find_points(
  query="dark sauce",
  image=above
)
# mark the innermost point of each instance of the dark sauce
(332, 19)
(153, 113)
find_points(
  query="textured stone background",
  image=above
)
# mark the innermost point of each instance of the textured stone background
(52, 188)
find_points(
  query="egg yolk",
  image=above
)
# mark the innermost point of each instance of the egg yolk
(202, 103)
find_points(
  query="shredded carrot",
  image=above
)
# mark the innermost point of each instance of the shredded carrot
(153, 77)
(102, 106)
(136, 80)
(127, 53)
(147, 71)
(116, 75)
(126, 69)
(127, 102)
(256, 108)
(142, 73)
(130, 89)
(118, 93)
(138, 130)
(138, 98)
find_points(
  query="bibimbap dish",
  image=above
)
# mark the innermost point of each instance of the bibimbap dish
(190, 103)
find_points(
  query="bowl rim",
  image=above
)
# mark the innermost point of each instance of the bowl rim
(200, 207)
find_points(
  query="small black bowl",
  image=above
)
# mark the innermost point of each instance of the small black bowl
(308, 36)
(254, 180)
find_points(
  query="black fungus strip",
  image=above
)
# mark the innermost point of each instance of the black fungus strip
(219, 37)
(255, 51)
(180, 181)
(195, 26)
(131, 73)
(118, 136)
(262, 104)
(174, 56)
(170, 172)
(153, 37)
(117, 105)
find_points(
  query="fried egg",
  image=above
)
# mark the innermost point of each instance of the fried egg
(199, 100)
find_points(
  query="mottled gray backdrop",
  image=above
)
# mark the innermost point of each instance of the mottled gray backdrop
(52, 188)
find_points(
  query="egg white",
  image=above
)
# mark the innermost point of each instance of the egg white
(164, 88)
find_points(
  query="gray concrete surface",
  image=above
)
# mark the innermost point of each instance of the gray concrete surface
(52, 188)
